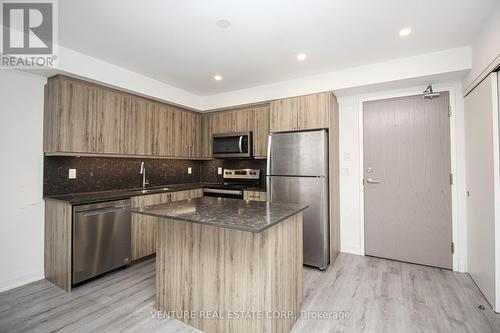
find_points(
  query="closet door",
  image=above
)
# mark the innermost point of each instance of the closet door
(482, 172)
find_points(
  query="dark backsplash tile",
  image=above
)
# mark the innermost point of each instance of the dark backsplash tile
(110, 173)
(209, 168)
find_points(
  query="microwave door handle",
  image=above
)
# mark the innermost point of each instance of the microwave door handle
(241, 144)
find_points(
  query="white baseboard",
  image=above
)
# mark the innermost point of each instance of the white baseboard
(20, 281)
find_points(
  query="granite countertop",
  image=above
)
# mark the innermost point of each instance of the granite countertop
(252, 216)
(92, 197)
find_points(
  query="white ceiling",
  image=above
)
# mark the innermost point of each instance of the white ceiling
(178, 42)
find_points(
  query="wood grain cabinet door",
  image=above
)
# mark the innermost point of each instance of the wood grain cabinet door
(301, 113)
(206, 135)
(259, 125)
(163, 127)
(70, 117)
(313, 111)
(188, 194)
(140, 133)
(254, 195)
(113, 122)
(283, 115)
(143, 228)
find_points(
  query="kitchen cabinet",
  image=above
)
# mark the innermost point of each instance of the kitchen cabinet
(143, 227)
(57, 243)
(186, 133)
(301, 113)
(70, 117)
(254, 195)
(254, 119)
(315, 112)
(114, 111)
(85, 118)
(58, 233)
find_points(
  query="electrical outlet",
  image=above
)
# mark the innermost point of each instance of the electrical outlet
(219, 171)
(190, 171)
(72, 173)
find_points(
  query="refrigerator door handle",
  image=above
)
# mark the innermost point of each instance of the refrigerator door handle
(269, 188)
(269, 140)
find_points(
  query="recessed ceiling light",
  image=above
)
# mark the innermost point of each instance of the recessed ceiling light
(223, 23)
(301, 56)
(217, 77)
(405, 32)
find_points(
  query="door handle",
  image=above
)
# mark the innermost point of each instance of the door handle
(241, 144)
(371, 181)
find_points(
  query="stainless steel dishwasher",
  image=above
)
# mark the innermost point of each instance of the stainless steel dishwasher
(101, 238)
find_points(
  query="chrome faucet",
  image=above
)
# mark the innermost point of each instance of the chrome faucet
(143, 173)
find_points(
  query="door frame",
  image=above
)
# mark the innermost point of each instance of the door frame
(458, 231)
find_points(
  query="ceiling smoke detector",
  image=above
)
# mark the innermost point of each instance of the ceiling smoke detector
(223, 23)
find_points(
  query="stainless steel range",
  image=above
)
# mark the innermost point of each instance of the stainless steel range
(235, 181)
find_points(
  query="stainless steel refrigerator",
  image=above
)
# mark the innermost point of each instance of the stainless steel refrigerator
(297, 172)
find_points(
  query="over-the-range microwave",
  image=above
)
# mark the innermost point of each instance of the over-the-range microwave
(232, 145)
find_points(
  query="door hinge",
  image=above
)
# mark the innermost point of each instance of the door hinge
(449, 111)
(451, 179)
(452, 248)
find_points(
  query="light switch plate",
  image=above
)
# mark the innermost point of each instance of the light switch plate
(72, 173)
(190, 171)
(219, 171)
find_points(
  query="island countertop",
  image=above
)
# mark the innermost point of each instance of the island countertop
(251, 216)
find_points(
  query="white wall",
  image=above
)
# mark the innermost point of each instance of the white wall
(486, 46)
(351, 200)
(21, 178)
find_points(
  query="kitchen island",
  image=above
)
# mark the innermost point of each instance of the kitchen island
(229, 265)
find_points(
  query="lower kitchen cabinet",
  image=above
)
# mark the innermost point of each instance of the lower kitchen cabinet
(57, 243)
(255, 195)
(143, 231)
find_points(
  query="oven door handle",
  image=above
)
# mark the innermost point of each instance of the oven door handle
(220, 191)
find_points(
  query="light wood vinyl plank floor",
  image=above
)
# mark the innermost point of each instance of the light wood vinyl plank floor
(380, 295)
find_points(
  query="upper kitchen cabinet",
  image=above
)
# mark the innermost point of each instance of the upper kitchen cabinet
(186, 140)
(301, 113)
(85, 118)
(70, 117)
(113, 116)
(254, 119)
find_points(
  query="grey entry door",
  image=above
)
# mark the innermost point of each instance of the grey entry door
(407, 188)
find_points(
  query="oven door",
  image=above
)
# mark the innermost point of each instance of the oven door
(235, 145)
(222, 193)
